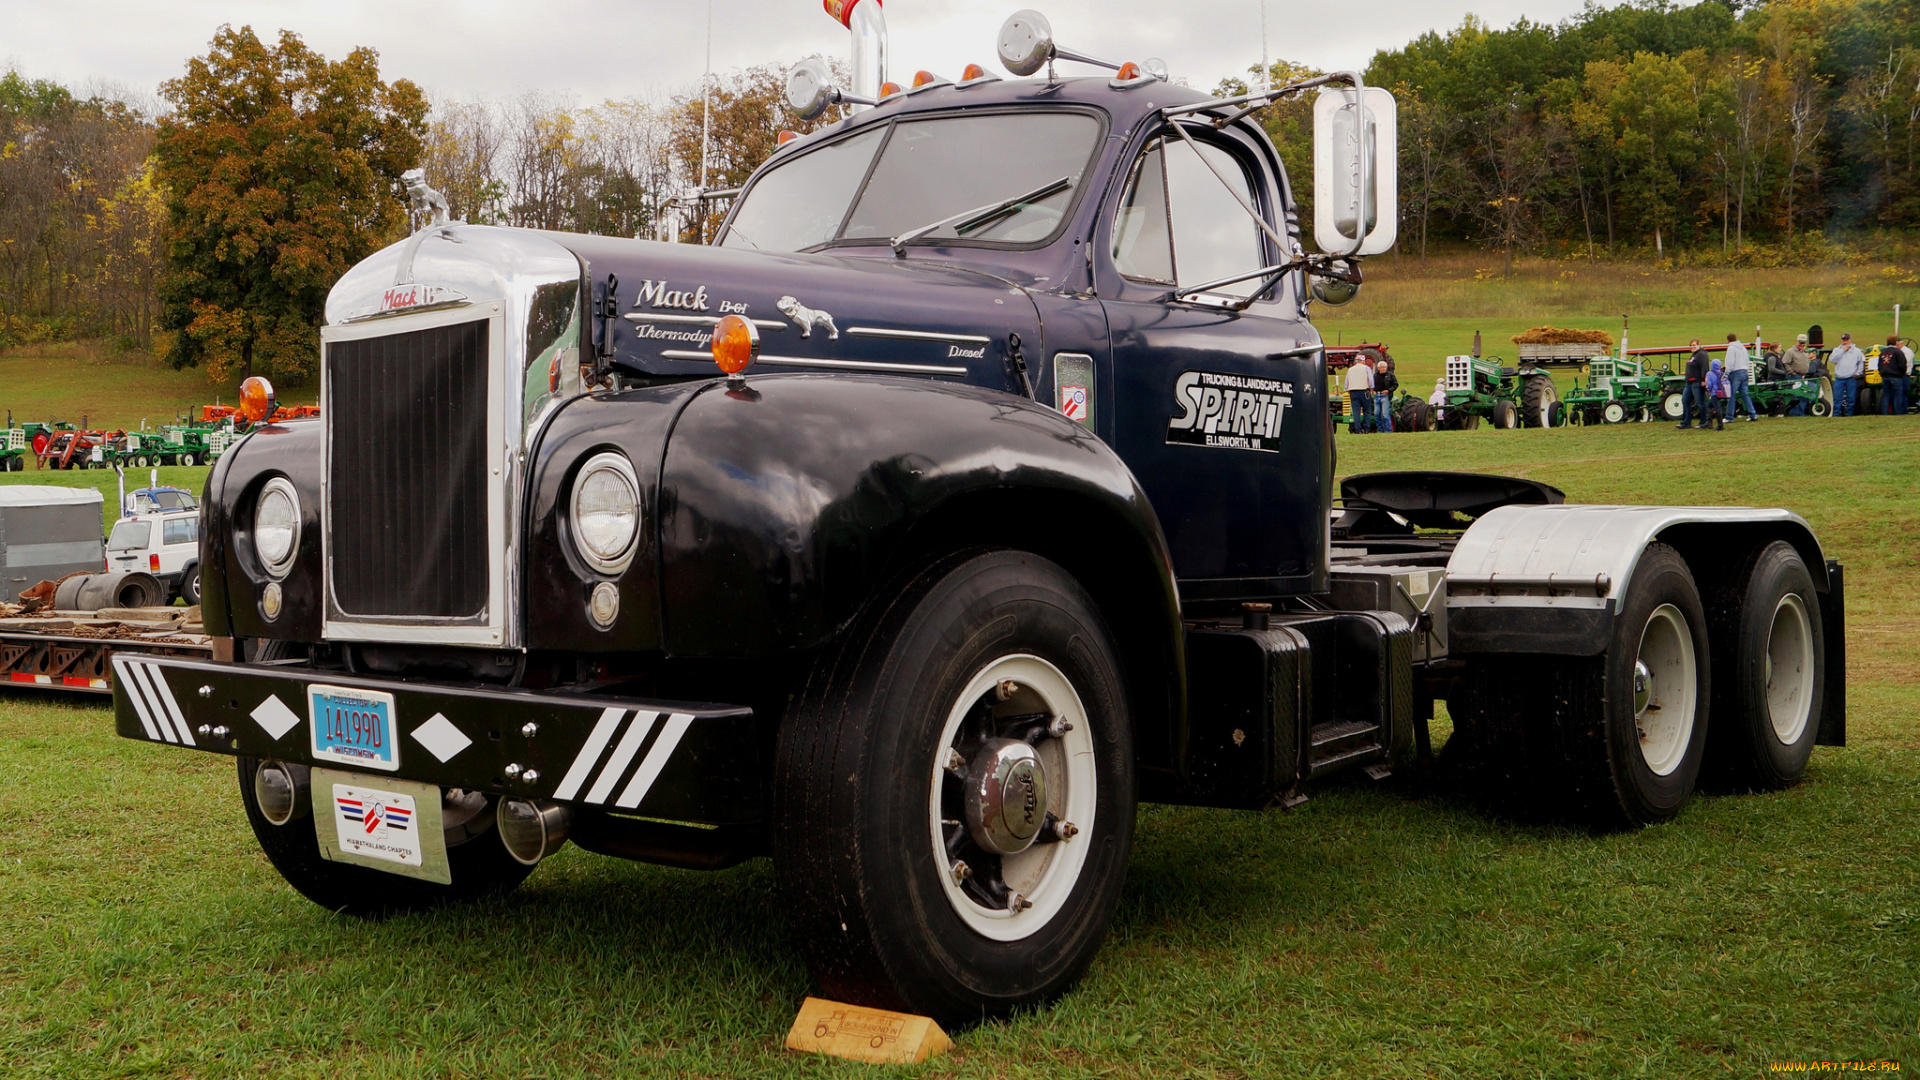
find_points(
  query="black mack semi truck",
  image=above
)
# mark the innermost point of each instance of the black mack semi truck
(974, 485)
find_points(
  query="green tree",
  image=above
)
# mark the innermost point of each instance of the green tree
(282, 169)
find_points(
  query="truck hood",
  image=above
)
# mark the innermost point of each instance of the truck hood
(814, 312)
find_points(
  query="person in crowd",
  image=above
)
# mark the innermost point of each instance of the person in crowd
(1694, 396)
(1360, 397)
(1437, 401)
(1384, 385)
(1895, 366)
(1848, 364)
(1798, 363)
(1739, 368)
(1719, 397)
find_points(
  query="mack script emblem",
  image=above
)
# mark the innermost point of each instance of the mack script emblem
(1229, 410)
(656, 294)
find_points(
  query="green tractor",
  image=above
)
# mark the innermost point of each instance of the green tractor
(1619, 391)
(14, 449)
(1507, 397)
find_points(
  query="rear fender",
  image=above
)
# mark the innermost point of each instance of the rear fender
(1549, 579)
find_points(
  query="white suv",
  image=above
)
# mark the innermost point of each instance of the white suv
(164, 542)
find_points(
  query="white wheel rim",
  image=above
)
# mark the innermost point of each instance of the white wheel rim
(1675, 406)
(1616, 413)
(1045, 873)
(1666, 684)
(1790, 669)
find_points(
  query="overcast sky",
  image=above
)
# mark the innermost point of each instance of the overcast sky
(620, 48)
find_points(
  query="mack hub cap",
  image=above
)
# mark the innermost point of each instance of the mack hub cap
(1007, 800)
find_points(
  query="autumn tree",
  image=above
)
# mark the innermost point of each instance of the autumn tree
(282, 170)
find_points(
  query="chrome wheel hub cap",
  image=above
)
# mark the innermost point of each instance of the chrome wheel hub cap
(1642, 687)
(1006, 796)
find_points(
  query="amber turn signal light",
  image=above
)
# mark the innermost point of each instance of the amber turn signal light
(972, 72)
(889, 89)
(256, 399)
(736, 341)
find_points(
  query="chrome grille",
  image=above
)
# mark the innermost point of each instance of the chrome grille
(407, 452)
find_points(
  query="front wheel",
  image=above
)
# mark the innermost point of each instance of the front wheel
(1613, 413)
(1673, 404)
(954, 793)
(190, 584)
(1505, 416)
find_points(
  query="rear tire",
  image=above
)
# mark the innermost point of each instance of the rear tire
(1413, 416)
(863, 857)
(1567, 736)
(1539, 399)
(1770, 658)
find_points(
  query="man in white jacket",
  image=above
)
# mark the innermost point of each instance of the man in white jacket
(1848, 364)
(1739, 374)
(1360, 396)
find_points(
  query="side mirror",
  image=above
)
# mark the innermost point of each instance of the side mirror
(1338, 285)
(1356, 157)
(809, 89)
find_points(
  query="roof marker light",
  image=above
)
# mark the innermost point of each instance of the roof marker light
(1131, 75)
(787, 137)
(974, 75)
(924, 79)
(888, 89)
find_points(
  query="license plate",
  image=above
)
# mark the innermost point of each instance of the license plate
(381, 823)
(353, 727)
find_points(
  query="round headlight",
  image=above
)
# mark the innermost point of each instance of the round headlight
(276, 526)
(606, 513)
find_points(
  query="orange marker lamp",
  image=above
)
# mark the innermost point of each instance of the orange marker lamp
(736, 342)
(256, 399)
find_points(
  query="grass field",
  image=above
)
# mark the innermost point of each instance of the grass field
(79, 381)
(1425, 313)
(1378, 930)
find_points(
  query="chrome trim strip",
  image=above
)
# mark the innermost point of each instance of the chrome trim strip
(699, 320)
(917, 335)
(847, 365)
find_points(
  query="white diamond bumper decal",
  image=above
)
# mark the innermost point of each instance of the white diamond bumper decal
(441, 738)
(273, 715)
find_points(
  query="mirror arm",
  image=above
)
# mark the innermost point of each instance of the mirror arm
(1262, 98)
(1268, 274)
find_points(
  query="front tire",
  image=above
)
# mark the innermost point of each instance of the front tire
(954, 673)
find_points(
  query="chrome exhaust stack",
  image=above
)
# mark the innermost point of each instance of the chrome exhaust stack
(867, 23)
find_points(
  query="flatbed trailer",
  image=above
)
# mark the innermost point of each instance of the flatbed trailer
(74, 650)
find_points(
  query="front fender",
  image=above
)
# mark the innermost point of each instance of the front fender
(783, 505)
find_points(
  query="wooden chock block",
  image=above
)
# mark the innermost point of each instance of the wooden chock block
(873, 1035)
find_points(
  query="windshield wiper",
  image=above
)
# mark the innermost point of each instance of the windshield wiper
(969, 220)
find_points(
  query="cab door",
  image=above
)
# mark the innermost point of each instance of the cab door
(1221, 414)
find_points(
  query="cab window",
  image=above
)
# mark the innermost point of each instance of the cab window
(1142, 247)
(1213, 237)
(1180, 223)
(185, 530)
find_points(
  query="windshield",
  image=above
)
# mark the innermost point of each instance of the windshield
(129, 536)
(930, 168)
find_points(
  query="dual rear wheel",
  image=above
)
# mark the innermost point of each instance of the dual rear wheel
(1623, 738)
